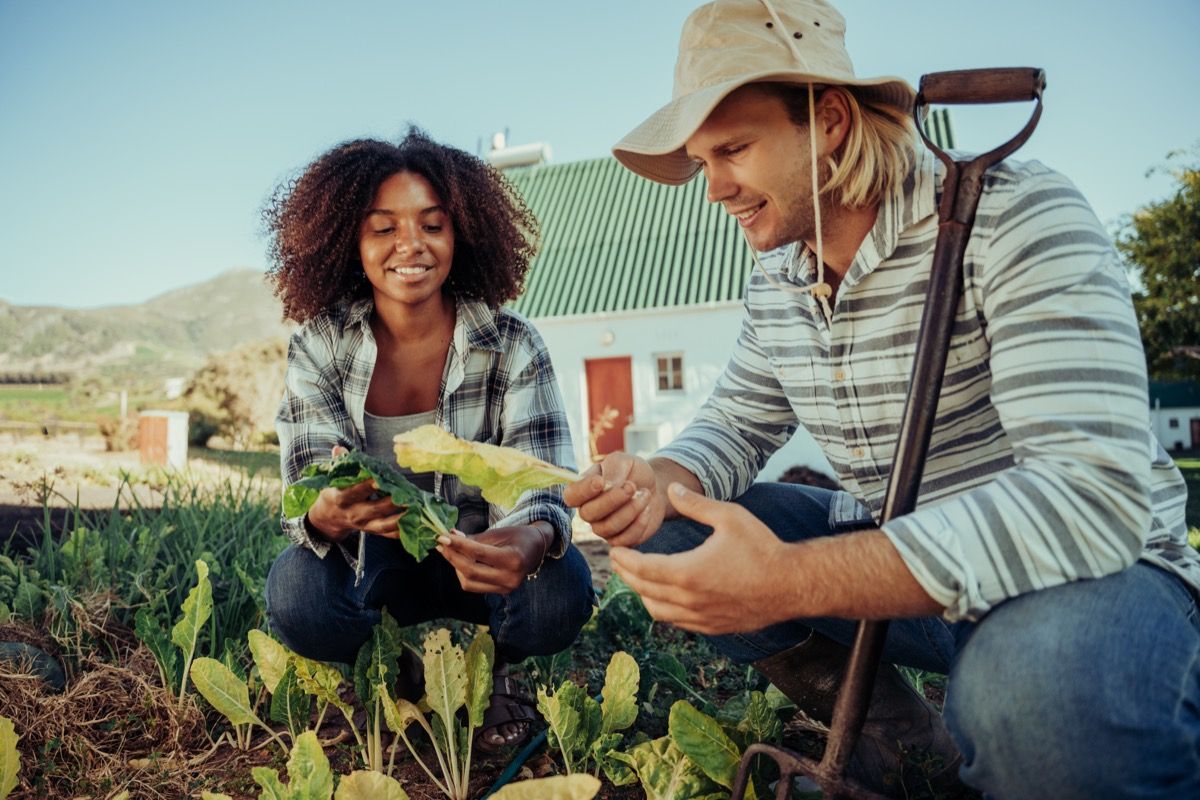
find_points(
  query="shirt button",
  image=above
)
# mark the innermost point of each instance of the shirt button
(840, 375)
(858, 452)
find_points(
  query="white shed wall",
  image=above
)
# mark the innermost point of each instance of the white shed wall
(704, 335)
(1160, 423)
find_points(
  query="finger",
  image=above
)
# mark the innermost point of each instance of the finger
(387, 527)
(590, 484)
(616, 468)
(479, 577)
(639, 528)
(696, 506)
(599, 509)
(352, 494)
(471, 548)
(338, 450)
(651, 575)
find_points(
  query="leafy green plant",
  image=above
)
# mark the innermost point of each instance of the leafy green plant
(666, 773)
(423, 516)
(229, 694)
(556, 787)
(454, 681)
(584, 730)
(197, 608)
(701, 739)
(502, 473)
(10, 762)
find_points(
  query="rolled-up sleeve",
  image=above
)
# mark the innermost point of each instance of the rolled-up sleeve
(1069, 387)
(311, 420)
(745, 420)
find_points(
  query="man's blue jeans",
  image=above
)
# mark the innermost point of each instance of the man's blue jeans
(315, 608)
(1087, 690)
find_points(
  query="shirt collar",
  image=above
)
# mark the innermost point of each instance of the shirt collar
(908, 202)
(474, 324)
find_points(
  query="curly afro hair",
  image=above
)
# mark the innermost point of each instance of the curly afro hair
(313, 222)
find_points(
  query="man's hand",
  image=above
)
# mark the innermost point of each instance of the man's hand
(722, 586)
(339, 512)
(620, 498)
(497, 561)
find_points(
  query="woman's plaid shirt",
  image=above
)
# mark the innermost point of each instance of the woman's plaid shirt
(498, 387)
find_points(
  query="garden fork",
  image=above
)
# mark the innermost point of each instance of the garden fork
(956, 214)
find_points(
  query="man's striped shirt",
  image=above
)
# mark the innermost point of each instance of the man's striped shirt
(1041, 468)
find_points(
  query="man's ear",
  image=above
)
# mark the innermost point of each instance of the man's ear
(833, 118)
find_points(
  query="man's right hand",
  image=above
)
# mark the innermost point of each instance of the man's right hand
(339, 512)
(620, 498)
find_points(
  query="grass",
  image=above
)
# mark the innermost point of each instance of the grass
(1190, 467)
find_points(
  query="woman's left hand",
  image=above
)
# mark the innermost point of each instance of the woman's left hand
(497, 561)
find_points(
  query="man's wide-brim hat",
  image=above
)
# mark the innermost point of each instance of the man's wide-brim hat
(730, 43)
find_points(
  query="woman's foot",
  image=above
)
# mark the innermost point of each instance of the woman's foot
(510, 715)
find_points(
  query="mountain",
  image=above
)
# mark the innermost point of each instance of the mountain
(170, 334)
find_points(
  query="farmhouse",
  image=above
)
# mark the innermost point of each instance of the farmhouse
(637, 292)
(1175, 414)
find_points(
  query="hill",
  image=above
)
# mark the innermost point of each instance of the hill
(170, 334)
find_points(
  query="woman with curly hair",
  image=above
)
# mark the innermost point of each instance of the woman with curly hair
(395, 260)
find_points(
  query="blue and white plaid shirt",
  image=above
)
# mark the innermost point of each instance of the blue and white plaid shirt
(498, 387)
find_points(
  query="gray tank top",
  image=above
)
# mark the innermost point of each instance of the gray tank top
(381, 430)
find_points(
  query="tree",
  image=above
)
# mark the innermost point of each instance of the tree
(1161, 244)
(237, 393)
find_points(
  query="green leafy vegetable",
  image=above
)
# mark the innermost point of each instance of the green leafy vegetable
(145, 625)
(453, 681)
(583, 729)
(700, 738)
(197, 608)
(290, 704)
(556, 787)
(666, 773)
(423, 516)
(503, 473)
(309, 776)
(269, 655)
(364, 785)
(228, 694)
(10, 763)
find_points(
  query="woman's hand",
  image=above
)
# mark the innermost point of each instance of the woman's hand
(339, 512)
(497, 561)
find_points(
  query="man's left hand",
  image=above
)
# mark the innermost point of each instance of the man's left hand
(497, 560)
(723, 586)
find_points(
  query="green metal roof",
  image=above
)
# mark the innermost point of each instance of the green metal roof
(1175, 394)
(612, 241)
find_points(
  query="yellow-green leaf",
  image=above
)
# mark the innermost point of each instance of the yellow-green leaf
(445, 676)
(367, 785)
(10, 762)
(197, 608)
(502, 473)
(619, 706)
(212, 796)
(557, 787)
(309, 775)
(270, 656)
(268, 781)
(398, 713)
(223, 690)
(563, 712)
(481, 656)
(701, 739)
(667, 774)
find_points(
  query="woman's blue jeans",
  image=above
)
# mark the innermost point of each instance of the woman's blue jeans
(316, 610)
(1087, 690)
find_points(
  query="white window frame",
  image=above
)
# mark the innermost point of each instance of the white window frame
(670, 373)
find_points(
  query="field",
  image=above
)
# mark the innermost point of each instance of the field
(103, 585)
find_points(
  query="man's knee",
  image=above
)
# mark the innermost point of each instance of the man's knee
(1068, 704)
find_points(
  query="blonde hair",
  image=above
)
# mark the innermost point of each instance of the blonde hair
(878, 150)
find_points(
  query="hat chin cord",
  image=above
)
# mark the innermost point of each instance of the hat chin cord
(821, 290)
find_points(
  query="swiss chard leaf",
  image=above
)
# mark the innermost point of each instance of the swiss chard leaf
(145, 625)
(666, 773)
(197, 608)
(502, 473)
(10, 762)
(290, 704)
(701, 739)
(556, 787)
(423, 516)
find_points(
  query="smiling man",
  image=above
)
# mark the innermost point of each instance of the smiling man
(1046, 568)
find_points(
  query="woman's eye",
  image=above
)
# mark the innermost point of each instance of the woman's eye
(433, 228)
(384, 231)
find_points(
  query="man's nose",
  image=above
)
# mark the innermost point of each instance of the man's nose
(720, 187)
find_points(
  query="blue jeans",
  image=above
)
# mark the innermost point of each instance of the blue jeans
(1086, 690)
(316, 610)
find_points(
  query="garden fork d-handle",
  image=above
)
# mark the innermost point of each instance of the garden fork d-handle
(956, 214)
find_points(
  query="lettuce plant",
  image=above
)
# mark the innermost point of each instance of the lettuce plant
(454, 681)
(10, 762)
(584, 730)
(423, 516)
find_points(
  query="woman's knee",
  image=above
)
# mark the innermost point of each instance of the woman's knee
(546, 614)
(307, 607)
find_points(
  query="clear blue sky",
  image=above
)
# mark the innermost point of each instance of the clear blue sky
(138, 140)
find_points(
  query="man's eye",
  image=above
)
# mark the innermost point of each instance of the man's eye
(733, 151)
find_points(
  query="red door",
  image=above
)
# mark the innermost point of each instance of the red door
(610, 402)
(1195, 424)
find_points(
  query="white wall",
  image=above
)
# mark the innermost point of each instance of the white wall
(703, 334)
(1160, 423)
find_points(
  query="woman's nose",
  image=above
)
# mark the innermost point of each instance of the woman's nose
(409, 241)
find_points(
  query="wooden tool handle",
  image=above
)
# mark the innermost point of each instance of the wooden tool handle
(963, 86)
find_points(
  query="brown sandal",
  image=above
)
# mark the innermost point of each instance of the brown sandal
(509, 706)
